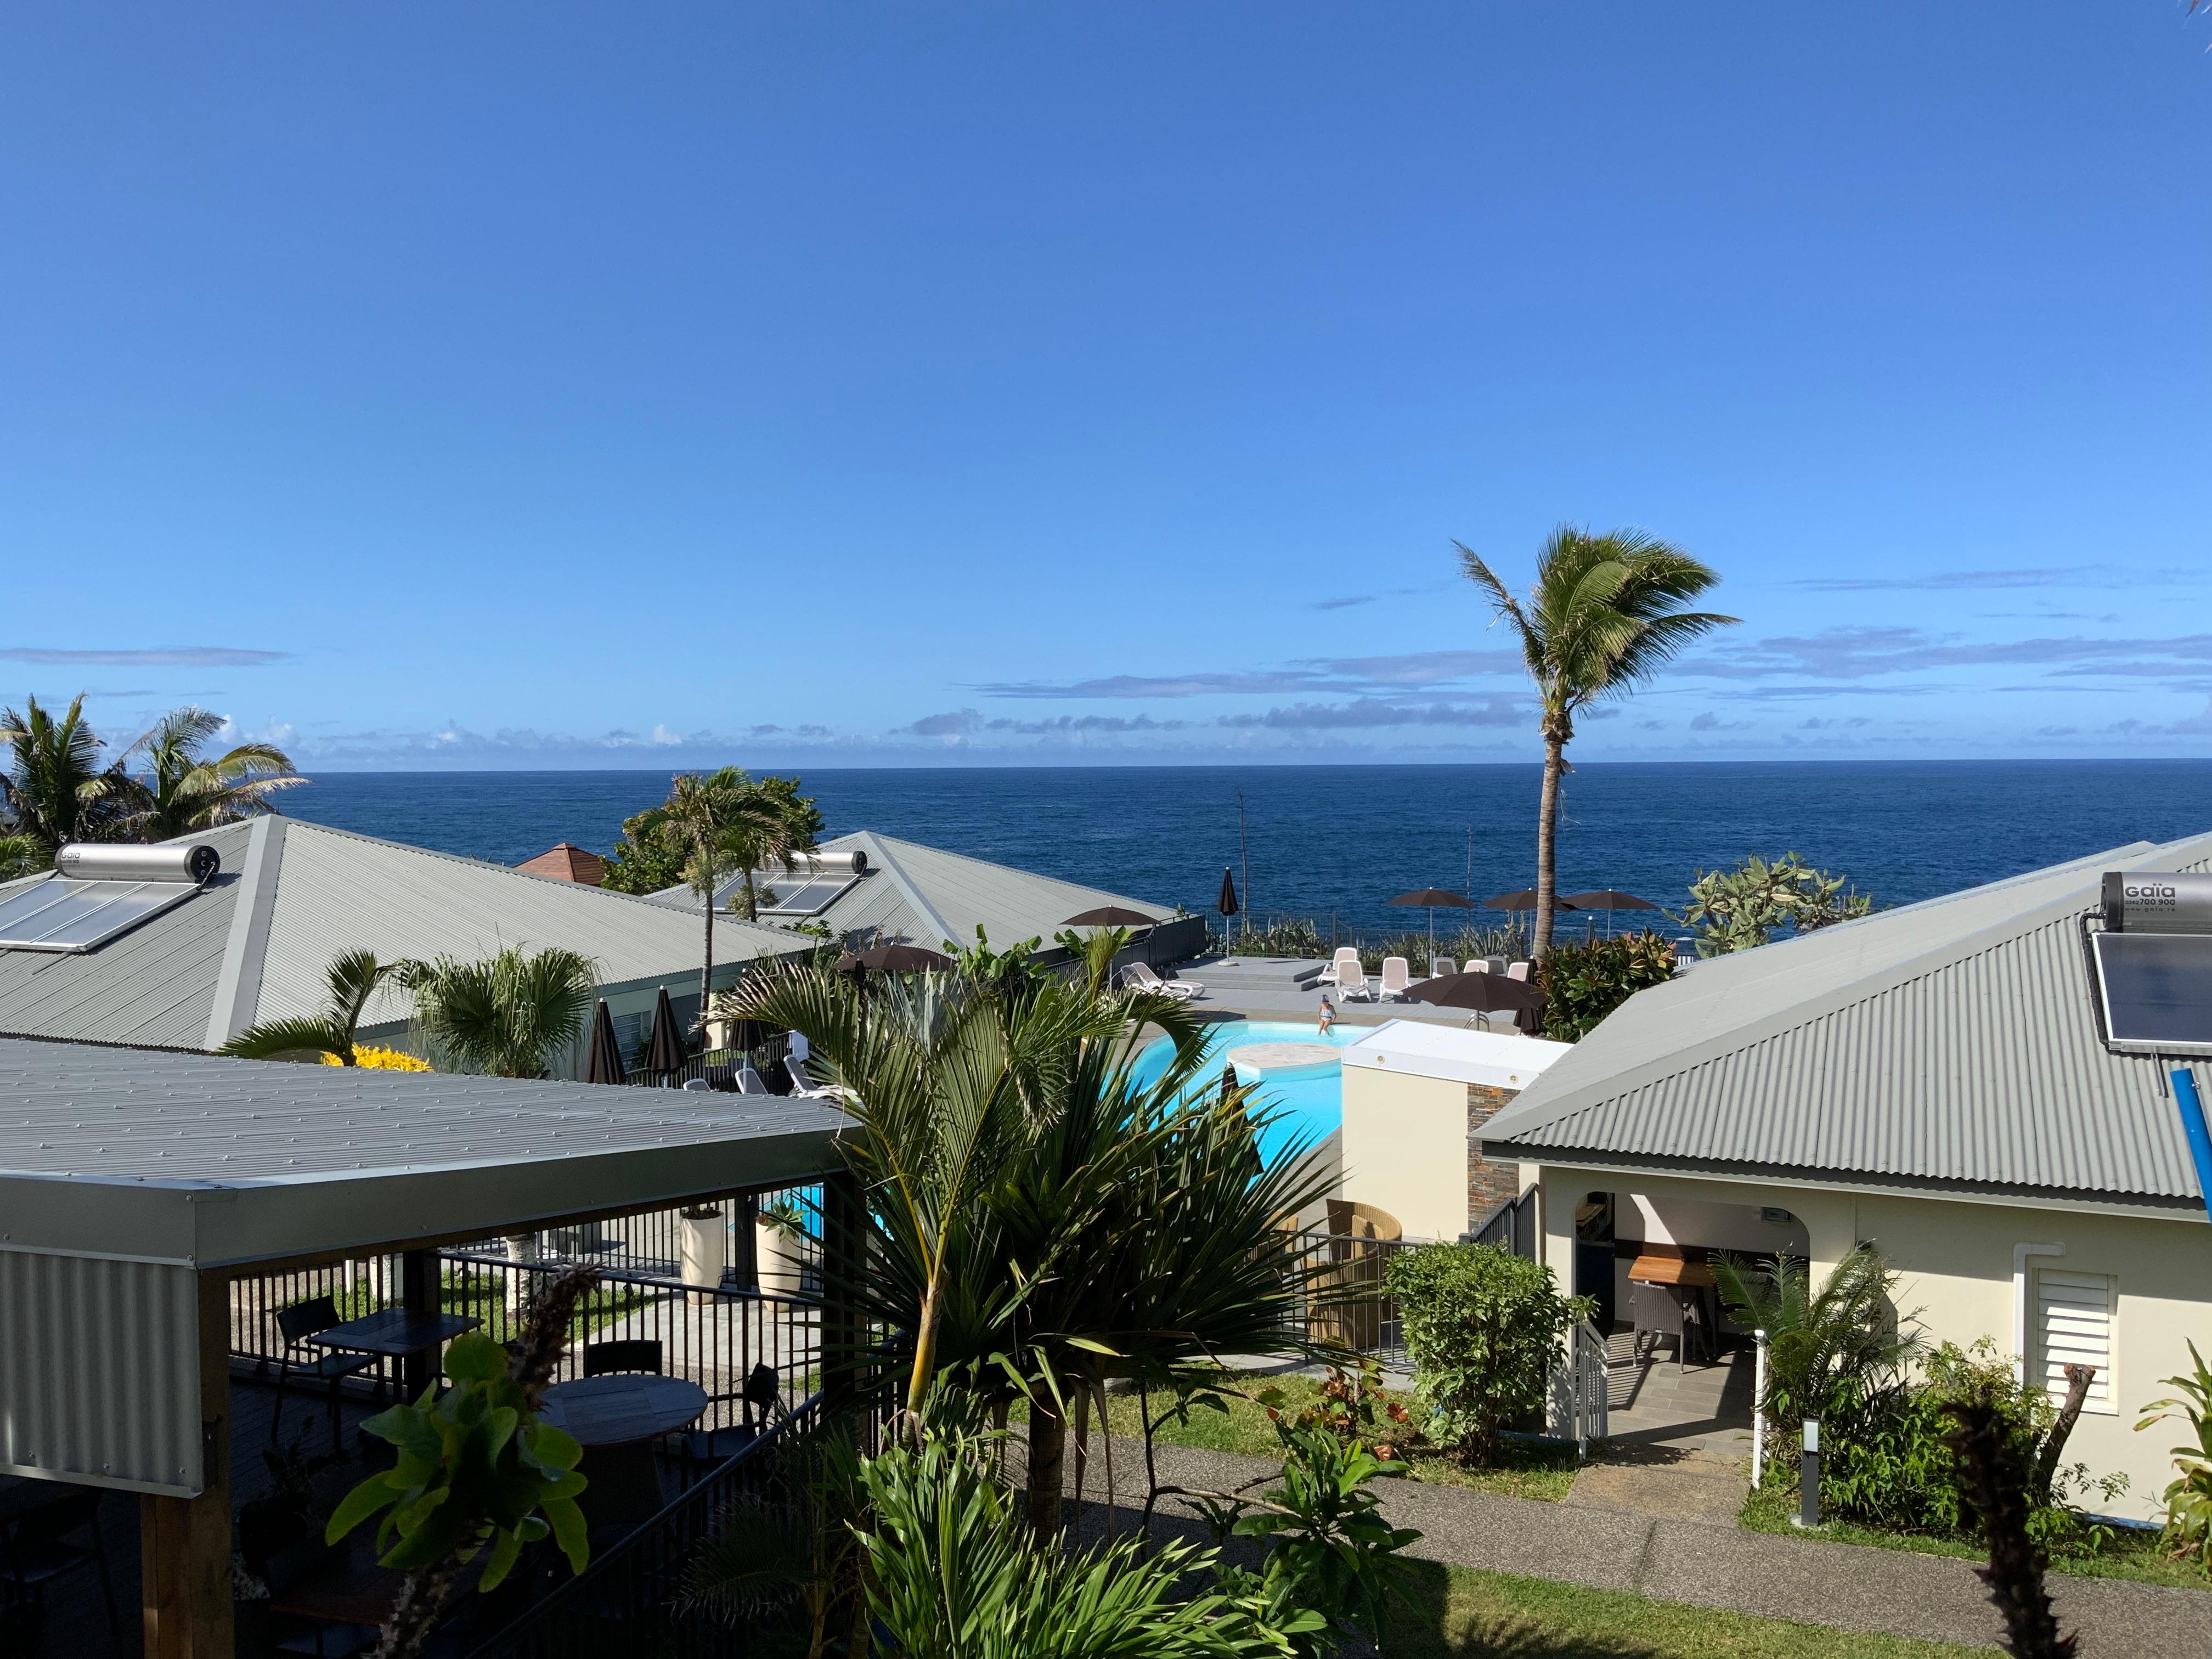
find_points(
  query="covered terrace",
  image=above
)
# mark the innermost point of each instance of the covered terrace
(158, 1210)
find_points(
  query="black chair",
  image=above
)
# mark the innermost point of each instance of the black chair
(632, 1354)
(762, 1396)
(42, 1547)
(332, 1365)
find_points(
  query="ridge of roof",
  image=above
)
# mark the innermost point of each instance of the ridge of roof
(879, 853)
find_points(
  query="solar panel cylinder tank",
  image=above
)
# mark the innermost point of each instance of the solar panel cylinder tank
(191, 861)
(2158, 902)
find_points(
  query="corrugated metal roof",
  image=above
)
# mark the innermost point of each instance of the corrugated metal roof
(926, 896)
(1952, 1043)
(292, 895)
(179, 1157)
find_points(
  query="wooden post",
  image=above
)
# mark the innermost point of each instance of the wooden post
(418, 1293)
(184, 1542)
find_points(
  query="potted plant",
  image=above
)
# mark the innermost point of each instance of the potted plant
(779, 1241)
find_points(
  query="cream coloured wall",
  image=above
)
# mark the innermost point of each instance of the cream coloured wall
(1405, 1149)
(1956, 1261)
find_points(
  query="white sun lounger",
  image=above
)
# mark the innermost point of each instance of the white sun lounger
(1141, 976)
(1397, 977)
(1334, 973)
(1442, 968)
(1351, 980)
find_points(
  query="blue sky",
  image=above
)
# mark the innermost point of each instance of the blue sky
(865, 385)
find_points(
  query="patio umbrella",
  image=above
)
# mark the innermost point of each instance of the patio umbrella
(1523, 899)
(1109, 915)
(605, 1065)
(893, 959)
(1433, 897)
(1608, 900)
(1484, 993)
(1226, 904)
(664, 1054)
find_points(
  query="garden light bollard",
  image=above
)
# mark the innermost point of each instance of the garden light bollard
(1808, 1477)
(1758, 1409)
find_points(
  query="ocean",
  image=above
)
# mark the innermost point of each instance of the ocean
(1337, 841)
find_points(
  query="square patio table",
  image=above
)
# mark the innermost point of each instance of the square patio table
(399, 1334)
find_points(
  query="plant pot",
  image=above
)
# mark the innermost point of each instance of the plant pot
(706, 1246)
(776, 1260)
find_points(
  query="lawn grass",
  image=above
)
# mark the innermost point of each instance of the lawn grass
(1528, 1469)
(2133, 1555)
(1461, 1614)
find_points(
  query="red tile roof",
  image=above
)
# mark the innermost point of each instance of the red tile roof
(567, 863)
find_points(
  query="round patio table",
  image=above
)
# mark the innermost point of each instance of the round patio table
(624, 1408)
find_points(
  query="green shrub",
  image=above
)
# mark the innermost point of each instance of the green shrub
(1485, 1330)
(1584, 980)
(1740, 909)
(2189, 1496)
(1889, 1460)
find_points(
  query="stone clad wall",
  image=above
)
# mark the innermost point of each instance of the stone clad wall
(1488, 1184)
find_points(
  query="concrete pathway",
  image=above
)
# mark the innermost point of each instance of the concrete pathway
(1673, 1538)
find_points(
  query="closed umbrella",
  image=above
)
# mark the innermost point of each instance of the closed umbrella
(1484, 993)
(664, 1054)
(1226, 903)
(1433, 897)
(1608, 899)
(605, 1065)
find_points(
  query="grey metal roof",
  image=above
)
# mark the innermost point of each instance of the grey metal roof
(1951, 1044)
(208, 1161)
(926, 896)
(254, 945)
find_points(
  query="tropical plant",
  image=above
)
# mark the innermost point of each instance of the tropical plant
(1336, 1565)
(477, 1469)
(181, 791)
(54, 790)
(1891, 1461)
(507, 1015)
(1741, 909)
(722, 823)
(20, 856)
(952, 1574)
(1583, 980)
(1485, 1330)
(1041, 1220)
(349, 981)
(1349, 1408)
(1605, 614)
(640, 861)
(1827, 1351)
(2189, 1495)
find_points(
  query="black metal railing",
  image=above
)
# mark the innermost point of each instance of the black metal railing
(1344, 1301)
(1512, 1226)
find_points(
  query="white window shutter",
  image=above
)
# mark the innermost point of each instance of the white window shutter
(2074, 1317)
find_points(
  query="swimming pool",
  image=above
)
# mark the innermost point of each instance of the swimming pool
(1310, 1097)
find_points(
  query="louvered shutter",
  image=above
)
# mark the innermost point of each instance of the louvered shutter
(2074, 1320)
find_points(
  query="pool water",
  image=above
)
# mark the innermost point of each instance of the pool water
(1309, 1098)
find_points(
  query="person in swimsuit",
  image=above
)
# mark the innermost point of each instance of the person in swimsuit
(1328, 1016)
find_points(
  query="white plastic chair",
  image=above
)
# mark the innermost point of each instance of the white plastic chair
(1478, 964)
(1518, 970)
(1397, 977)
(1334, 973)
(1442, 968)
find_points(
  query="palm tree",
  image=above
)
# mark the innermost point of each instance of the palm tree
(1603, 615)
(1040, 1219)
(717, 824)
(508, 1015)
(352, 979)
(182, 793)
(54, 789)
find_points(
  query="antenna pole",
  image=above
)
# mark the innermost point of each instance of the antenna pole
(1243, 857)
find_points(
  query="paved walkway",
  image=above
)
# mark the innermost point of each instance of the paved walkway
(1687, 1548)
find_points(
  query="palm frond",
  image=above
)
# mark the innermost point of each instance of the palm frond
(276, 1039)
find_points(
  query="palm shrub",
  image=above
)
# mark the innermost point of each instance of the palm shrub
(508, 1015)
(1828, 1351)
(350, 981)
(1583, 980)
(1605, 613)
(1041, 1221)
(1742, 908)
(2189, 1495)
(953, 1574)
(1485, 1330)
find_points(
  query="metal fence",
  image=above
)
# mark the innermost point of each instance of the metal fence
(1344, 1301)
(1510, 1226)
